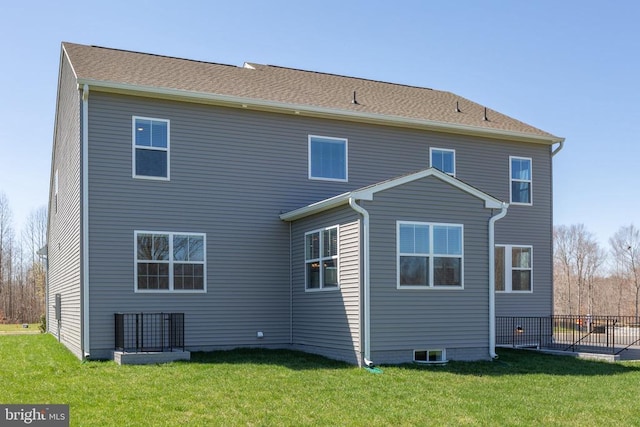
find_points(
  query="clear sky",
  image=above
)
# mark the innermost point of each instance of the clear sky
(569, 67)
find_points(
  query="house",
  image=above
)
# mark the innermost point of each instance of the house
(280, 208)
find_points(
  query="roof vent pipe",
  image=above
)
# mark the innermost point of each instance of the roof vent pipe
(485, 115)
(457, 107)
(354, 100)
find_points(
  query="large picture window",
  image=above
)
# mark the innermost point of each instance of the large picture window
(444, 160)
(321, 259)
(429, 255)
(170, 261)
(150, 148)
(514, 268)
(521, 180)
(327, 158)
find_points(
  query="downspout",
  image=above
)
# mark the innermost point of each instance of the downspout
(492, 280)
(558, 148)
(84, 223)
(290, 286)
(365, 280)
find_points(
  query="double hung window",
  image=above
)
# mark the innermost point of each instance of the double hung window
(170, 261)
(521, 180)
(321, 259)
(429, 255)
(150, 148)
(514, 268)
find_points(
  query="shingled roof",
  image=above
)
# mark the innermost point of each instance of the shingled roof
(294, 91)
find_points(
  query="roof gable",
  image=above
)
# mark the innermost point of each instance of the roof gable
(368, 193)
(292, 91)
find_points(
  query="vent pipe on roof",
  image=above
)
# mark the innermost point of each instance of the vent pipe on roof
(485, 118)
(457, 107)
(354, 100)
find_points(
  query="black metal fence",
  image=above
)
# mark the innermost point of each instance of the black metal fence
(603, 334)
(149, 331)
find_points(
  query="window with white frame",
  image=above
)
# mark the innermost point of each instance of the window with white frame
(429, 255)
(170, 261)
(443, 159)
(321, 259)
(150, 148)
(429, 356)
(521, 180)
(514, 268)
(328, 158)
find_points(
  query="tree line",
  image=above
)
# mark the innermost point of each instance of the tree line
(22, 266)
(591, 279)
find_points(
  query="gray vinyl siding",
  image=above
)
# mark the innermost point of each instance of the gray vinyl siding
(233, 171)
(407, 319)
(329, 319)
(63, 236)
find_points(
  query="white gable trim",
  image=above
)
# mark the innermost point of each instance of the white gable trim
(367, 193)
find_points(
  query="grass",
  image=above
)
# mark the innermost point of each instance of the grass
(271, 387)
(18, 329)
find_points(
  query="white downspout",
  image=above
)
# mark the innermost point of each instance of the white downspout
(365, 280)
(492, 280)
(85, 222)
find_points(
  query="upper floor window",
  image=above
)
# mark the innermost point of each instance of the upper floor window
(327, 158)
(150, 148)
(521, 180)
(444, 160)
(514, 268)
(170, 261)
(321, 259)
(430, 255)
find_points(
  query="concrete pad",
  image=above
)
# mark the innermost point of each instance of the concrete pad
(148, 358)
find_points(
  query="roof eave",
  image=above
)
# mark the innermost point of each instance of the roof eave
(314, 111)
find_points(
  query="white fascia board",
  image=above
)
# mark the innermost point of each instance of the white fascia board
(314, 111)
(368, 193)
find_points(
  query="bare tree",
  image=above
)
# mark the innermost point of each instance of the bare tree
(577, 261)
(6, 238)
(625, 248)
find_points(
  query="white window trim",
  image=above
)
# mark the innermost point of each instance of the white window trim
(511, 180)
(171, 263)
(508, 267)
(322, 288)
(133, 149)
(442, 360)
(450, 150)
(430, 256)
(346, 159)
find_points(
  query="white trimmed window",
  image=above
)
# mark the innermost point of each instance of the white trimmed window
(514, 268)
(429, 255)
(150, 148)
(521, 180)
(430, 356)
(321, 259)
(443, 159)
(168, 262)
(328, 158)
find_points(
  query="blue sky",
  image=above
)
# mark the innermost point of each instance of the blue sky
(571, 68)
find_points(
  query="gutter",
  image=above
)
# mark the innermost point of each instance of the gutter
(314, 111)
(366, 291)
(84, 223)
(492, 280)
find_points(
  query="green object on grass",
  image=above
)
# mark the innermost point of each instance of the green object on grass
(374, 370)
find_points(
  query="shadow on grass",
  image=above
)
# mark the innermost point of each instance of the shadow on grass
(291, 359)
(524, 362)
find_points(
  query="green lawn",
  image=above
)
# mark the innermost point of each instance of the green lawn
(18, 329)
(259, 387)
